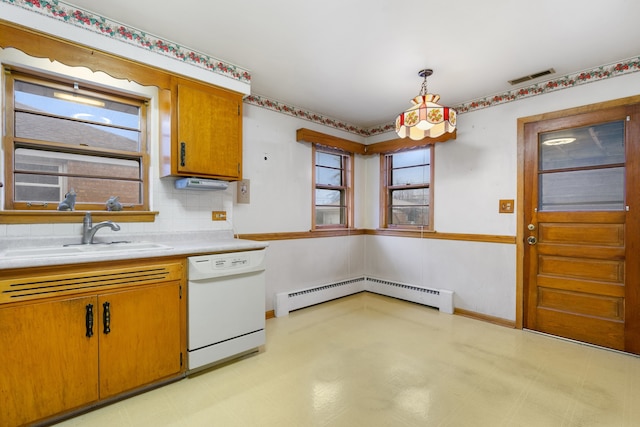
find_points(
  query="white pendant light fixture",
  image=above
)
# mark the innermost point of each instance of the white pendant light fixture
(426, 119)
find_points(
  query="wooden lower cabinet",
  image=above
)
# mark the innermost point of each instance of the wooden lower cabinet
(47, 364)
(67, 353)
(143, 344)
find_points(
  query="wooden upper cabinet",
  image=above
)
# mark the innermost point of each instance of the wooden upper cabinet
(206, 140)
(204, 119)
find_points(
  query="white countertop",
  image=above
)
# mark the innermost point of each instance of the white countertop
(185, 243)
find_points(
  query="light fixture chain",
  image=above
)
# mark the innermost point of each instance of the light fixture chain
(424, 73)
(423, 89)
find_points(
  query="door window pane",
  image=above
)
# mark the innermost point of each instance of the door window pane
(586, 190)
(582, 169)
(588, 146)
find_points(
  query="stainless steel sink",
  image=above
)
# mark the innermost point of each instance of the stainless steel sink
(78, 250)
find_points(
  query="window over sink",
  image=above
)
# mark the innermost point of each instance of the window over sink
(64, 136)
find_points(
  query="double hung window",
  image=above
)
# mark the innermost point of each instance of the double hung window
(407, 196)
(333, 188)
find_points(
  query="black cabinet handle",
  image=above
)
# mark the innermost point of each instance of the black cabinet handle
(89, 320)
(183, 153)
(106, 318)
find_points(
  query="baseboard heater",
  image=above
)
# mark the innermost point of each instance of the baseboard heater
(286, 302)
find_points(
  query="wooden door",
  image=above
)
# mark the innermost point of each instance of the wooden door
(581, 217)
(209, 132)
(48, 364)
(140, 337)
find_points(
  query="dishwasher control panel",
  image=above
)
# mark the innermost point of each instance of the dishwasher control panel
(219, 265)
(238, 261)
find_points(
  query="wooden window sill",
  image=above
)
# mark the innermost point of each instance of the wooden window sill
(55, 217)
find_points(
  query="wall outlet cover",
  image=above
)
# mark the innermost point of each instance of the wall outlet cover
(243, 191)
(219, 216)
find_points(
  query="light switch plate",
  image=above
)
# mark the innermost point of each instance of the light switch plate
(243, 191)
(506, 206)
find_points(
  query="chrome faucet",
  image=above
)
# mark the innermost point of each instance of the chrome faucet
(89, 230)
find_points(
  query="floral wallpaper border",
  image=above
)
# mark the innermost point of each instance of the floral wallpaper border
(84, 19)
(98, 24)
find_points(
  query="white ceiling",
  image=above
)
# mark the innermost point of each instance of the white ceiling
(358, 60)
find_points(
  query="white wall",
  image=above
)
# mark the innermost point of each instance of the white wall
(481, 275)
(280, 172)
(279, 169)
(303, 263)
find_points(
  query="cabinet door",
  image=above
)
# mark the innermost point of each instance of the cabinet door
(48, 364)
(209, 132)
(139, 337)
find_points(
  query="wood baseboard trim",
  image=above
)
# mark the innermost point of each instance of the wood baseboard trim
(270, 314)
(486, 318)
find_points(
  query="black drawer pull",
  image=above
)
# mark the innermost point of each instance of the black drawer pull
(106, 317)
(89, 320)
(183, 153)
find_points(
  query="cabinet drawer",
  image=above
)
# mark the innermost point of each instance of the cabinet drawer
(60, 281)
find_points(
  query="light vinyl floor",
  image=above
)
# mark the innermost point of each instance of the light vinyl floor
(369, 360)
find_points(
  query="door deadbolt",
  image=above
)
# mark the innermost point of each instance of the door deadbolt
(532, 240)
(531, 227)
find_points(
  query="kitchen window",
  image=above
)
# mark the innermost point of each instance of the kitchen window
(407, 191)
(333, 183)
(63, 137)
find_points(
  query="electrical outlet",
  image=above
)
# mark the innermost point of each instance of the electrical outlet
(219, 216)
(243, 191)
(506, 206)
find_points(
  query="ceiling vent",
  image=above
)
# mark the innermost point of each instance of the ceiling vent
(532, 76)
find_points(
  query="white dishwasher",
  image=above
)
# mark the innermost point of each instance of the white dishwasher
(226, 306)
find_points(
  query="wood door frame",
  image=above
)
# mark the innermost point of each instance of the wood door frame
(520, 232)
